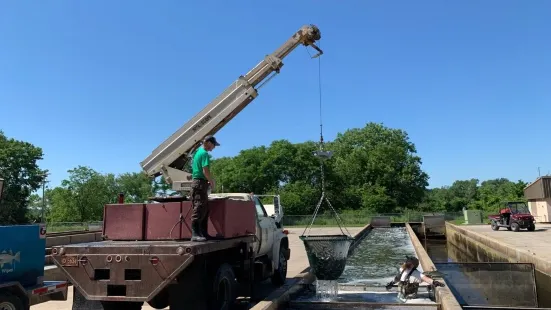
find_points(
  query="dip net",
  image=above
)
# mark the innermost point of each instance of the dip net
(327, 254)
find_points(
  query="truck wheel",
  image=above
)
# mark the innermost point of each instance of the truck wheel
(494, 225)
(515, 227)
(224, 288)
(532, 227)
(280, 274)
(10, 302)
(160, 301)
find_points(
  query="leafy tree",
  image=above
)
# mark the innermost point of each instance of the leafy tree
(487, 196)
(136, 186)
(381, 164)
(22, 176)
(374, 168)
(35, 208)
(81, 197)
(496, 191)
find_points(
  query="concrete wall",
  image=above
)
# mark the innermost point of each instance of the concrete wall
(443, 294)
(434, 225)
(487, 284)
(479, 248)
(359, 237)
(493, 249)
(380, 221)
(72, 239)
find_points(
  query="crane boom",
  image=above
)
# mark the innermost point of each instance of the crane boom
(171, 157)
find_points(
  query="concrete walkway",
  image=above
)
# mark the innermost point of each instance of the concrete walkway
(536, 243)
(297, 263)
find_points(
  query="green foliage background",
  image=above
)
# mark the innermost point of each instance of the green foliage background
(374, 170)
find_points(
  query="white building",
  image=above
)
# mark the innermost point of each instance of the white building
(538, 194)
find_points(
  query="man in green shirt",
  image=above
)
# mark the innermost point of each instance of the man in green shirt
(201, 178)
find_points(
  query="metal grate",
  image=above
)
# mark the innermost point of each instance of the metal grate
(491, 284)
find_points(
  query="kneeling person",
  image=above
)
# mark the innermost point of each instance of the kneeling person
(409, 279)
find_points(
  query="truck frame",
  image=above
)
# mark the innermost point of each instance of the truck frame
(179, 273)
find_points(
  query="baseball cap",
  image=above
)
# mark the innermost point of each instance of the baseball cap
(413, 260)
(211, 139)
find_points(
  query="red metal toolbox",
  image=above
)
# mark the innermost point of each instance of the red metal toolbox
(232, 218)
(162, 221)
(123, 221)
(187, 209)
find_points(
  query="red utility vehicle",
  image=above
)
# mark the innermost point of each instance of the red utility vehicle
(513, 216)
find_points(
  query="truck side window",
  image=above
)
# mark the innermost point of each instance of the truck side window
(259, 208)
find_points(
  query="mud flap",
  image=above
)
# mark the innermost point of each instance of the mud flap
(190, 290)
(81, 303)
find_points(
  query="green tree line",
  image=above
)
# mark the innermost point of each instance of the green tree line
(374, 169)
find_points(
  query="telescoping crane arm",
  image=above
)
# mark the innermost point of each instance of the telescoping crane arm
(171, 157)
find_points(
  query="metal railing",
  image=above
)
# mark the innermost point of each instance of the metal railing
(349, 218)
(363, 218)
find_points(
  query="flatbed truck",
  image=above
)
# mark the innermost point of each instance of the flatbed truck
(181, 274)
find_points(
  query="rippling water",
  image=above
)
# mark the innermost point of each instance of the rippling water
(377, 259)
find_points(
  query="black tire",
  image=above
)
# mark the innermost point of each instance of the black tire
(121, 305)
(509, 228)
(280, 274)
(224, 289)
(160, 301)
(81, 303)
(515, 227)
(494, 226)
(532, 227)
(11, 302)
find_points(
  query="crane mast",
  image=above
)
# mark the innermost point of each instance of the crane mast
(172, 156)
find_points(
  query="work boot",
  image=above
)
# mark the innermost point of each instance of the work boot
(195, 233)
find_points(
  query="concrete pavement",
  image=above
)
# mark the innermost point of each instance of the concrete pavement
(297, 263)
(535, 243)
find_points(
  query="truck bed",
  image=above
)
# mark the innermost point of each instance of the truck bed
(196, 247)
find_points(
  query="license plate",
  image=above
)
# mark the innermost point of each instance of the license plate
(69, 261)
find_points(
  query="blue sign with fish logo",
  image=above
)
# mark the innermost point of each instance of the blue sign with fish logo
(8, 258)
(22, 254)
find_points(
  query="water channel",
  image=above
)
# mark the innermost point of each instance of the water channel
(375, 261)
(504, 282)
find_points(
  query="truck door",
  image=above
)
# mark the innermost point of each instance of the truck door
(265, 226)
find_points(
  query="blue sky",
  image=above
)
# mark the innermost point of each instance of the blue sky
(102, 83)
